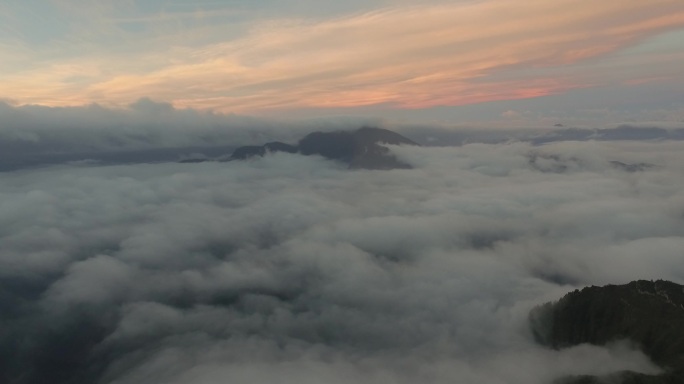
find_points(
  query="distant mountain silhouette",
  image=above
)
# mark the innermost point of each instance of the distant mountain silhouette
(248, 151)
(636, 167)
(360, 149)
(651, 314)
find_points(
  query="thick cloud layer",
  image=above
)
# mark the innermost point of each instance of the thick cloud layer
(295, 269)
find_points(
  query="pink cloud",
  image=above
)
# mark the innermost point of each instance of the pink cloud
(409, 57)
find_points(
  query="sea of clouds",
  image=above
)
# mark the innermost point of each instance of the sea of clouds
(294, 269)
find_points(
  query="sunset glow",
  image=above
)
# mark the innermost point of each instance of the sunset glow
(229, 58)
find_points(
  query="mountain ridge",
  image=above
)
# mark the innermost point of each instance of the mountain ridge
(360, 149)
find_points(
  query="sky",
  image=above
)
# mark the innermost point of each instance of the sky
(523, 62)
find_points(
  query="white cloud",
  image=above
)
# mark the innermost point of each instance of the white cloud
(294, 268)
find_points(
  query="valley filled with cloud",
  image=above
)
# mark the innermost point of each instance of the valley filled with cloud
(298, 270)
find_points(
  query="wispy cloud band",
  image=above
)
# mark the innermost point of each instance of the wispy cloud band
(440, 54)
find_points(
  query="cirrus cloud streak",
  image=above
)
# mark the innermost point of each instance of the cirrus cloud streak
(438, 54)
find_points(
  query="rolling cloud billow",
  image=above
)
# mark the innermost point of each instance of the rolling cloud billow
(296, 269)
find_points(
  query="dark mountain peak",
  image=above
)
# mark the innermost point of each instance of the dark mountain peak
(380, 135)
(362, 148)
(636, 167)
(338, 145)
(649, 313)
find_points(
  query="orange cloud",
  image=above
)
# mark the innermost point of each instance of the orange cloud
(409, 57)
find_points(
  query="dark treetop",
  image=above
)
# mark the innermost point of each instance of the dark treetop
(651, 314)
